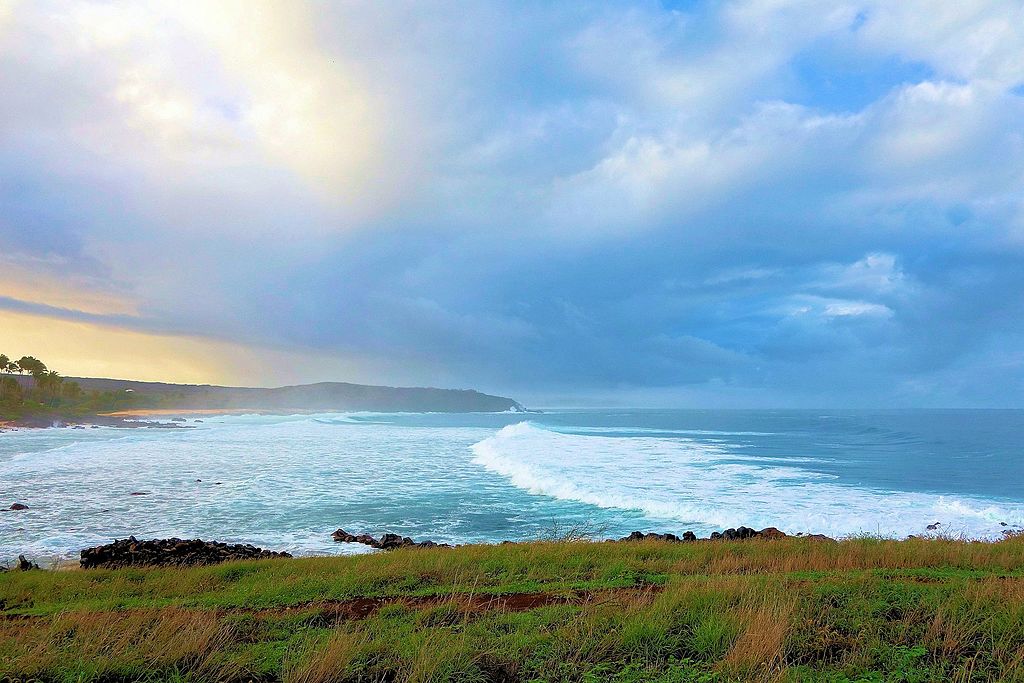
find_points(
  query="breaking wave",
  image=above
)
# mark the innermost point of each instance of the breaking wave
(706, 486)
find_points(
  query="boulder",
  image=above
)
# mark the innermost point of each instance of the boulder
(653, 536)
(738, 534)
(342, 536)
(131, 552)
(819, 537)
(771, 533)
(22, 565)
(392, 541)
(388, 541)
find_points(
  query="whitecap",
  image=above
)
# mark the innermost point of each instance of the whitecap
(703, 485)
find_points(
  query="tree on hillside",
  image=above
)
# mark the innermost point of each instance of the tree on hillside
(70, 389)
(8, 365)
(31, 365)
(49, 382)
(34, 367)
(10, 389)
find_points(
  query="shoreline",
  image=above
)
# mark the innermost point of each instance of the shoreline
(364, 544)
(185, 412)
(79, 422)
(134, 418)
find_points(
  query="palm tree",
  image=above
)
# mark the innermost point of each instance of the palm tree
(51, 382)
(31, 365)
(34, 367)
(9, 388)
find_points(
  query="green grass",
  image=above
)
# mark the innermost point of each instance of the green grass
(793, 610)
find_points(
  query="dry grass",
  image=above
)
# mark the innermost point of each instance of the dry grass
(326, 662)
(105, 641)
(759, 652)
(748, 611)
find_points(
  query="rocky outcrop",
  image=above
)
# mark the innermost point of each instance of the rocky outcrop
(672, 538)
(132, 552)
(385, 542)
(771, 533)
(738, 534)
(394, 541)
(23, 565)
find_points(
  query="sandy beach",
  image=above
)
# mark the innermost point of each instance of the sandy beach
(163, 412)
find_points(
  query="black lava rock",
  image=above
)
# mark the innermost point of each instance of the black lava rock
(132, 552)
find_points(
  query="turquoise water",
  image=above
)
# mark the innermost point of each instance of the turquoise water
(286, 482)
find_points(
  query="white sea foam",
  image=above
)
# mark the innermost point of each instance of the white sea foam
(287, 481)
(652, 430)
(702, 485)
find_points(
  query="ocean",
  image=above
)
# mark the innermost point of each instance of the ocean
(286, 482)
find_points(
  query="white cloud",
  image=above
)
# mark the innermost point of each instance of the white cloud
(224, 85)
(877, 273)
(966, 39)
(856, 308)
(6, 9)
(300, 101)
(821, 307)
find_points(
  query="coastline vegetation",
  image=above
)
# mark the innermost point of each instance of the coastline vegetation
(47, 395)
(758, 610)
(33, 395)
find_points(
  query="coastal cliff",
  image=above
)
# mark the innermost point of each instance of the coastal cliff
(319, 396)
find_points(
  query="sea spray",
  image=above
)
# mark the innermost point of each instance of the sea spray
(709, 485)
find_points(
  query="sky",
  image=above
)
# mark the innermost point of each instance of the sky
(745, 203)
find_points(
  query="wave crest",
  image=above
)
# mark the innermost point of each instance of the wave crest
(708, 486)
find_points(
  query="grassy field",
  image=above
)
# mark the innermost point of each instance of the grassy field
(796, 610)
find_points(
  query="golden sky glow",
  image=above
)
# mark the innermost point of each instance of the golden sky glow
(84, 349)
(33, 286)
(90, 350)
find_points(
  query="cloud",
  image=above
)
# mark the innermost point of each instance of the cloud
(970, 40)
(792, 202)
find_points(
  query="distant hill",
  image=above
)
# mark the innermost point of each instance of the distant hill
(320, 396)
